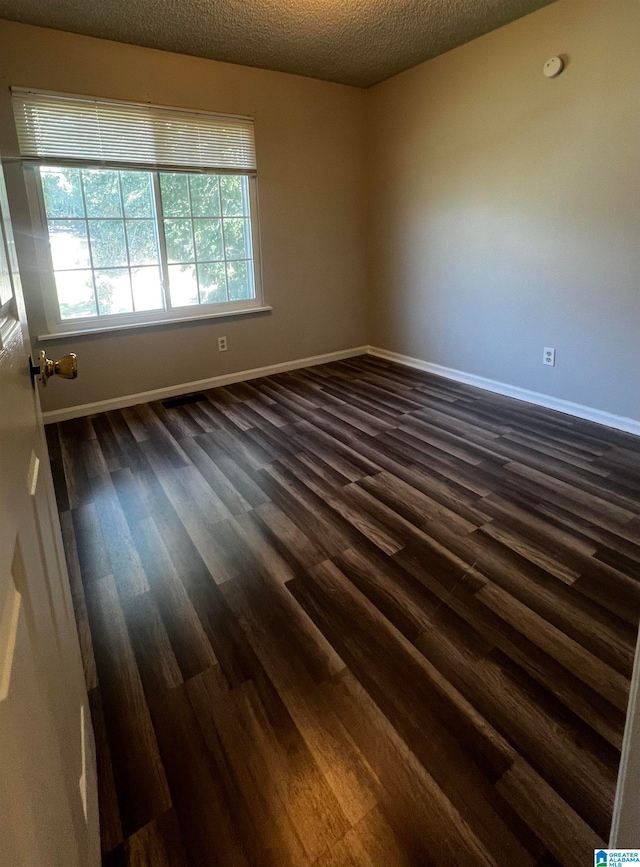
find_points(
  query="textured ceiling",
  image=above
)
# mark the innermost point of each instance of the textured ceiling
(358, 42)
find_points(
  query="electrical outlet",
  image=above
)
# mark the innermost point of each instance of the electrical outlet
(549, 356)
(222, 344)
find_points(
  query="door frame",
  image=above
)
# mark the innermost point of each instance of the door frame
(625, 824)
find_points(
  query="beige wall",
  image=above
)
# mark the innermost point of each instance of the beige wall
(311, 182)
(506, 207)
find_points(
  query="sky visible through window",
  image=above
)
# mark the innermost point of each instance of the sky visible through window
(110, 250)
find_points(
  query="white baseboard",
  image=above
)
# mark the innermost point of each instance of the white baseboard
(629, 425)
(83, 409)
(619, 422)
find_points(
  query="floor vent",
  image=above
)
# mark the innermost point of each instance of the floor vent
(182, 400)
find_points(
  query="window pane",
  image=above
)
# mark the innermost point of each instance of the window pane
(205, 195)
(143, 247)
(174, 188)
(6, 289)
(208, 239)
(231, 193)
(184, 288)
(69, 246)
(108, 247)
(62, 192)
(237, 239)
(147, 288)
(179, 240)
(102, 193)
(213, 283)
(75, 294)
(137, 194)
(240, 280)
(114, 291)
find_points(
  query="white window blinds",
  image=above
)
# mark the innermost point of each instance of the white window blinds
(63, 129)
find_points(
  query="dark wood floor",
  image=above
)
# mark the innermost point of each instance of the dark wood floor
(353, 615)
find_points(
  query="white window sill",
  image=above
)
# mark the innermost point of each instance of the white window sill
(120, 326)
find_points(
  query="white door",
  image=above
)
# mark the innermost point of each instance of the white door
(48, 801)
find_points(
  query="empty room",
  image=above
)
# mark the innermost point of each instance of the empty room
(319, 433)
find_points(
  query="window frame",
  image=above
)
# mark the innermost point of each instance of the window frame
(59, 327)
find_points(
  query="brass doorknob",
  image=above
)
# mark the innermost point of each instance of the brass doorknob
(66, 367)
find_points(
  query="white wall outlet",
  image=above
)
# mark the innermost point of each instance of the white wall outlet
(222, 344)
(549, 356)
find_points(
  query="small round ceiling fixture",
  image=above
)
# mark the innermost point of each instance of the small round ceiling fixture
(553, 67)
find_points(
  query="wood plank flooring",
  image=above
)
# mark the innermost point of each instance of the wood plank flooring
(352, 616)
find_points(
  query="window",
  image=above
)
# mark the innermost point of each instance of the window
(8, 270)
(8, 316)
(125, 244)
